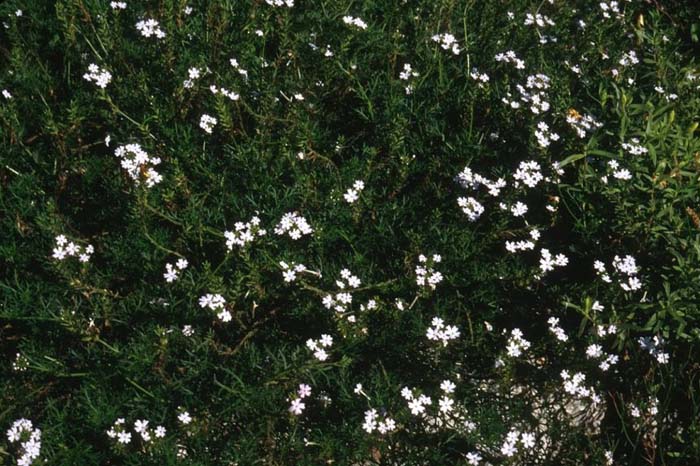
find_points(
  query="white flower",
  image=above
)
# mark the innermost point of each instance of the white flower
(184, 417)
(426, 276)
(473, 458)
(516, 343)
(508, 449)
(99, 76)
(510, 57)
(528, 173)
(594, 351)
(124, 437)
(304, 390)
(544, 136)
(471, 207)
(244, 233)
(297, 406)
(293, 225)
(438, 331)
(446, 404)
(287, 3)
(150, 27)
(528, 440)
(140, 425)
(136, 162)
(447, 386)
(448, 42)
(416, 407)
(207, 123)
(352, 194)
(519, 209)
(352, 21)
(547, 262)
(170, 274)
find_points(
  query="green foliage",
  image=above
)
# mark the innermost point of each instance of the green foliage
(103, 339)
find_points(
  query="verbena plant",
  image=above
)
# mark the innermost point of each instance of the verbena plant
(299, 232)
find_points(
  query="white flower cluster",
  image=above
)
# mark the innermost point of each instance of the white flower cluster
(633, 147)
(415, 404)
(426, 276)
(582, 124)
(625, 266)
(293, 225)
(653, 346)
(610, 8)
(290, 271)
(244, 233)
(326, 341)
(99, 76)
(601, 330)
(150, 27)
(407, 72)
(469, 179)
(523, 245)
(480, 78)
(117, 431)
(297, 406)
(471, 207)
(65, 248)
(135, 161)
(513, 438)
(510, 57)
(556, 329)
(617, 172)
(516, 343)
(446, 402)
(223, 91)
(533, 93)
(528, 173)
(207, 123)
(441, 332)
(629, 59)
(21, 363)
(547, 262)
(118, 5)
(448, 42)
(29, 438)
(236, 66)
(573, 385)
(6, 94)
(544, 136)
(518, 209)
(287, 3)
(352, 21)
(595, 351)
(193, 74)
(172, 272)
(538, 20)
(353, 193)
(216, 302)
(342, 299)
(373, 423)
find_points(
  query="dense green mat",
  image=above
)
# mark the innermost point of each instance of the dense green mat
(296, 232)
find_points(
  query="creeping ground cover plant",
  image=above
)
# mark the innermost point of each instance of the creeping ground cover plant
(377, 232)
